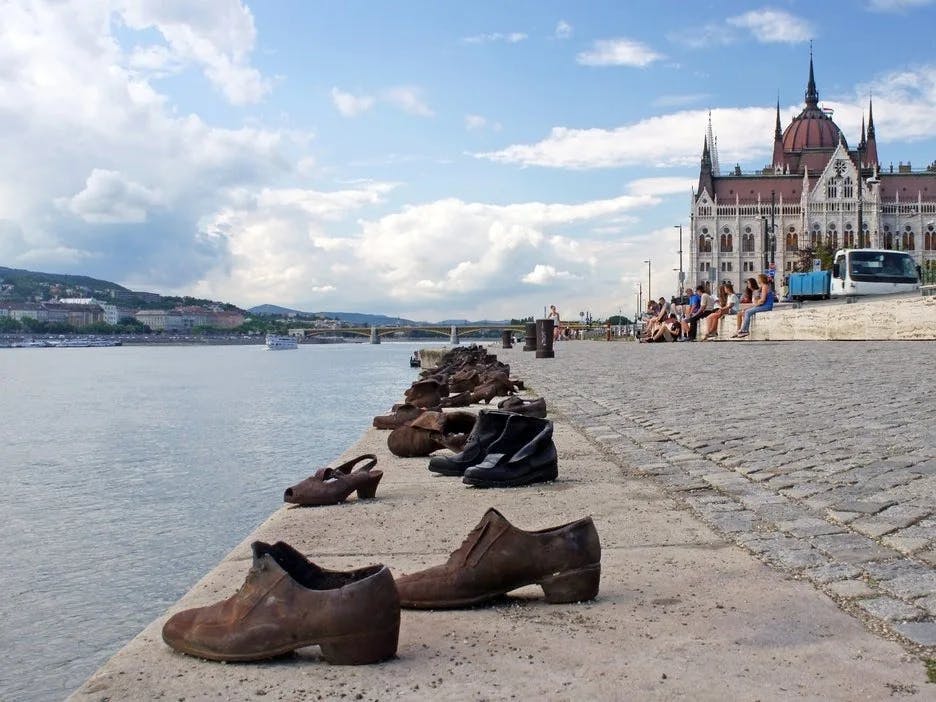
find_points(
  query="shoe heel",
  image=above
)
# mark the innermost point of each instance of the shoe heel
(361, 649)
(369, 489)
(573, 585)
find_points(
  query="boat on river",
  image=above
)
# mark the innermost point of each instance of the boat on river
(278, 342)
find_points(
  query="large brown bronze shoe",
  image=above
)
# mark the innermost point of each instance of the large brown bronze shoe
(496, 558)
(286, 603)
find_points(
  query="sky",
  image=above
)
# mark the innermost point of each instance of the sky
(424, 159)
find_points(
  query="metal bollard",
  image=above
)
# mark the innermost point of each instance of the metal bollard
(544, 338)
(530, 339)
(506, 339)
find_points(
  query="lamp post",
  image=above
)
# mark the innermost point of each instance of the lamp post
(649, 294)
(682, 275)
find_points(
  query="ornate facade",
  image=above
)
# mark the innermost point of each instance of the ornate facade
(816, 190)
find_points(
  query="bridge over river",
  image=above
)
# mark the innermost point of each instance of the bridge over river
(454, 332)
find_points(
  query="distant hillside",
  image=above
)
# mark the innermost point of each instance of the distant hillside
(20, 278)
(349, 317)
(18, 284)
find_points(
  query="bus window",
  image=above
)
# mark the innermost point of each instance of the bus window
(881, 266)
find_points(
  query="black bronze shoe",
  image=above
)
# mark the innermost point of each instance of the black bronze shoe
(487, 428)
(523, 454)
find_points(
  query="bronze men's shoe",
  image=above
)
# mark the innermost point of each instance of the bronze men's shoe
(329, 486)
(523, 454)
(287, 602)
(430, 432)
(531, 408)
(496, 558)
(400, 415)
(426, 393)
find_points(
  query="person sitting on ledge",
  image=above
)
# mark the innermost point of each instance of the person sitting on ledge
(668, 330)
(728, 304)
(763, 303)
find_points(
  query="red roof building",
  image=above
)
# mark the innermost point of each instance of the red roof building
(815, 190)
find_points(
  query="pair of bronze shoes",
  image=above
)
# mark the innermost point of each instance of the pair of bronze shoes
(329, 486)
(287, 602)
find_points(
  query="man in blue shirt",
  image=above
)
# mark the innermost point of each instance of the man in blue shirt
(690, 319)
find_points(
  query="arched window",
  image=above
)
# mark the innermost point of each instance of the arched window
(791, 240)
(725, 243)
(831, 190)
(888, 240)
(747, 243)
(864, 236)
(847, 189)
(929, 239)
(907, 240)
(705, 244)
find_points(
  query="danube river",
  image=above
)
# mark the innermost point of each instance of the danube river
(129, 472)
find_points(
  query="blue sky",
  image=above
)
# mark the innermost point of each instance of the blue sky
(424, 159)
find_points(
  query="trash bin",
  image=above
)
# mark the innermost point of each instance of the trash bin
(506, 339)
(530, 340)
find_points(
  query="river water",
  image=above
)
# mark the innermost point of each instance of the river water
(129, 472)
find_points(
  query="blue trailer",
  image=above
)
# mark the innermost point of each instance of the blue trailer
(810, 286)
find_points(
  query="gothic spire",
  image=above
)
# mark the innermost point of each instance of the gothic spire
(870, 119)
(777, 133)
(713, 146)
(812, 95)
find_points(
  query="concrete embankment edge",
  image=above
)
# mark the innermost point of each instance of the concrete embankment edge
(681, 614)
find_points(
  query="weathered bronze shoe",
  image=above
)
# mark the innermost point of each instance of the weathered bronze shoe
(329, 486)
(286, 603)
(400, 415)
(430, 432)
(531, 408)
(496, 558)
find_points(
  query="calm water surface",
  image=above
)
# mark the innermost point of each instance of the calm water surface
(129, 472)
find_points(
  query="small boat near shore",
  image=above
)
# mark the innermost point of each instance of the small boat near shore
(277, 342)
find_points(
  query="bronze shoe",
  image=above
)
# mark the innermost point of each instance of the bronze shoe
(400, 415)
(329, 486)
(496, 558)
(286, 603)
(430, 432)
(531, 408)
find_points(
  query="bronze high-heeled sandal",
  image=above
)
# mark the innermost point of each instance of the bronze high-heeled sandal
(329, 486)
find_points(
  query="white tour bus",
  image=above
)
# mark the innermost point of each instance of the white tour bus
(873, 272)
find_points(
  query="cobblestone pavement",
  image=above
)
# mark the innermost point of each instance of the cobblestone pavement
(819, 457)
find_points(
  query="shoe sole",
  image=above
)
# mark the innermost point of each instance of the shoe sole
(548, 475)
(578, 585)
(348, 649)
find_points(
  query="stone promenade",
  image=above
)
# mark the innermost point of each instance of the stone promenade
(818, 457)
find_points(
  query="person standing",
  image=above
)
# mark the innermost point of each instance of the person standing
(554, 316)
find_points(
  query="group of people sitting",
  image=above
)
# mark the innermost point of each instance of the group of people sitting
(680, 320)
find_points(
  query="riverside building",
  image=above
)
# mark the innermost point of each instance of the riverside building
(816, 191)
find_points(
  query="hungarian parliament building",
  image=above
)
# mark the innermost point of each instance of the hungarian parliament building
(817, 192)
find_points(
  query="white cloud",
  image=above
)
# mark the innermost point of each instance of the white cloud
(667, 140)
(508, 37)
(896, 5)
(618, 52)
(659, 187)
(108, 197)
(475, 122)
(351, 105)
(545, 275)
(774, 26)
(408, 99)
(216, 35)
(563, 30)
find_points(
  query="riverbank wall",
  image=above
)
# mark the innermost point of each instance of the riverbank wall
(684, 611)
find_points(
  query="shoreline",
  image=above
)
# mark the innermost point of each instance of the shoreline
(682, 611)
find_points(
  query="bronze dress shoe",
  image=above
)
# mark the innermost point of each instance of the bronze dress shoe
(531, 408)
(400, 415)
(329, 486)
(496, 557)
(287, 602)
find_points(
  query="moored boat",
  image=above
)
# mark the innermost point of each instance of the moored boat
(277, 342)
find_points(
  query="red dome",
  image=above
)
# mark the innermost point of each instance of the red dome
(811, 129)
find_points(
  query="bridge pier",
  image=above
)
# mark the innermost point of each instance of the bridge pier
(453, 338)
(374, 337)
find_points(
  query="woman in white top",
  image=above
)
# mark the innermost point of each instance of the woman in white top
(732, 303)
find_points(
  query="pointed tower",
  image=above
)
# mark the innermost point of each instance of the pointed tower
(713, 146)
(812, 95)
(871, 155)
(706, 183)
(778, 160)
